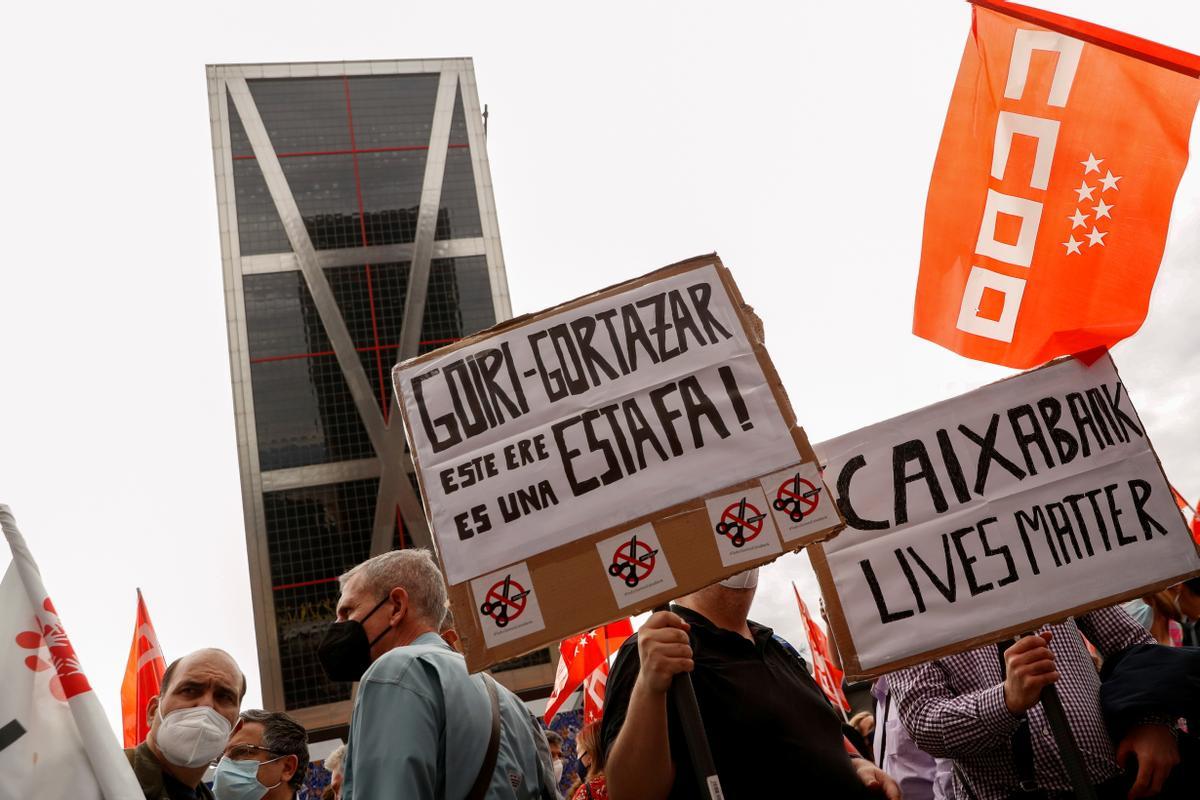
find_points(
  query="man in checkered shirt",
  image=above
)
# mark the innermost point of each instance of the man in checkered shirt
(962, 707)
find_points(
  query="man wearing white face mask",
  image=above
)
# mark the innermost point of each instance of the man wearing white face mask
(266, 758)
(771, 731)
(190, 722)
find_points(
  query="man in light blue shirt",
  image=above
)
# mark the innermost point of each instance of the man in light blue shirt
(421, 724)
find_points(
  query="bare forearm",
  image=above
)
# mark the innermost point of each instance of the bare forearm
(639, 765)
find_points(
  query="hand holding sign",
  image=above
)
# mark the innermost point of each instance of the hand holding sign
(1029, 667)
(664, 650)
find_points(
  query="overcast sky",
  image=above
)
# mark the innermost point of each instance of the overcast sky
(795, 139)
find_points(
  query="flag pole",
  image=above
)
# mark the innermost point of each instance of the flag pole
(683, 697)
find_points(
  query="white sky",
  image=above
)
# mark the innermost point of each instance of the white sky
(795, 139)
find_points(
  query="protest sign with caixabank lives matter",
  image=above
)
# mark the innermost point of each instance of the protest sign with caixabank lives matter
(1024, 502)
(546, 445)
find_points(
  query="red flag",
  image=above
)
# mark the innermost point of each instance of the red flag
(1053, 185)
(1185, 507)
(143, 676)
(585, 658)
(827, 675)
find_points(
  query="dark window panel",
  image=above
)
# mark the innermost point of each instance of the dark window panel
(326, 196)
(303, 115)
(239, 142)
(473, 285)
(305, 414)
(393, 110)
(442, 321)
(391, 194)
(458, 217)
(389, 283)
(314, 534)
(259, 228)
(281, 319)
(458, 123)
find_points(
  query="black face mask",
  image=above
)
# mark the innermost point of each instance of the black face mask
(344, 651)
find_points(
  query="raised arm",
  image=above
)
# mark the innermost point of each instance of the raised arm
(639, 762)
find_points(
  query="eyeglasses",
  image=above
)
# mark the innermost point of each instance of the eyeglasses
(245, 752)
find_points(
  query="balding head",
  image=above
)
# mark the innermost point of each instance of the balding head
(208, 655)
(208, 677)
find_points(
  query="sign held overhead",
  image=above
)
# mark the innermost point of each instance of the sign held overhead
(580, 444)
(1024, 502)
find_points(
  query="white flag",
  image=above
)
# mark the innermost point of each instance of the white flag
(54, 739)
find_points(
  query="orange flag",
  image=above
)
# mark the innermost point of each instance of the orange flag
(825, 673)
(1048, 208)
(143, 676)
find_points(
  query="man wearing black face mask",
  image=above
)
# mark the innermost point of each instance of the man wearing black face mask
(421, 725)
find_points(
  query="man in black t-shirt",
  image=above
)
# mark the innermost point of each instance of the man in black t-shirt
(771, 731)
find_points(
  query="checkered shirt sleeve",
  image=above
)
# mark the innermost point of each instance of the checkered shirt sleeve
(954, 707)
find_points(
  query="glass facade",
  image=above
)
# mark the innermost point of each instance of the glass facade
(353, 151)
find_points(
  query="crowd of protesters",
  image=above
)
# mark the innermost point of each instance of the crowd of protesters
(966, 726)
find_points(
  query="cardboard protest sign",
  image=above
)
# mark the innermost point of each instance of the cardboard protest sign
(565, 458)
(1024, 502)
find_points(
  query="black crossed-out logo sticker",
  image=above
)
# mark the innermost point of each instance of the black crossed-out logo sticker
(633, 562)
(505, 601)
(741, 522)
(797, 497)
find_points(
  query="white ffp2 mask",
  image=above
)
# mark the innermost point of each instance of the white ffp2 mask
(192, 737)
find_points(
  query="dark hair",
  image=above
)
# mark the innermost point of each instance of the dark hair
(552, 738)
(283, 736)
(1193, 585)
(169, 673)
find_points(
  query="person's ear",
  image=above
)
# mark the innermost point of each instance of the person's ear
(151, 708)
(290, 765)
(399, 598)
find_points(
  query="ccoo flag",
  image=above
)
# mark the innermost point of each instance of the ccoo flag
(1052, 190)
(143, 676)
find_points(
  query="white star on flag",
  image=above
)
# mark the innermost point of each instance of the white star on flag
(1092, 164)
(1085, 191)
(1102, 209)
(1072, 245)
(1078, 220)
(1096, 237)
(1110, 181)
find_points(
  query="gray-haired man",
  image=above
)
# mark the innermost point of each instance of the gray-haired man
(421, 725)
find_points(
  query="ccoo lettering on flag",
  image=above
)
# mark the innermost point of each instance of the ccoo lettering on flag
(1052, 189)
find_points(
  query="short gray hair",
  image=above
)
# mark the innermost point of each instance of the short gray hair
(283, 736)
(333, 762)
(415, 571)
